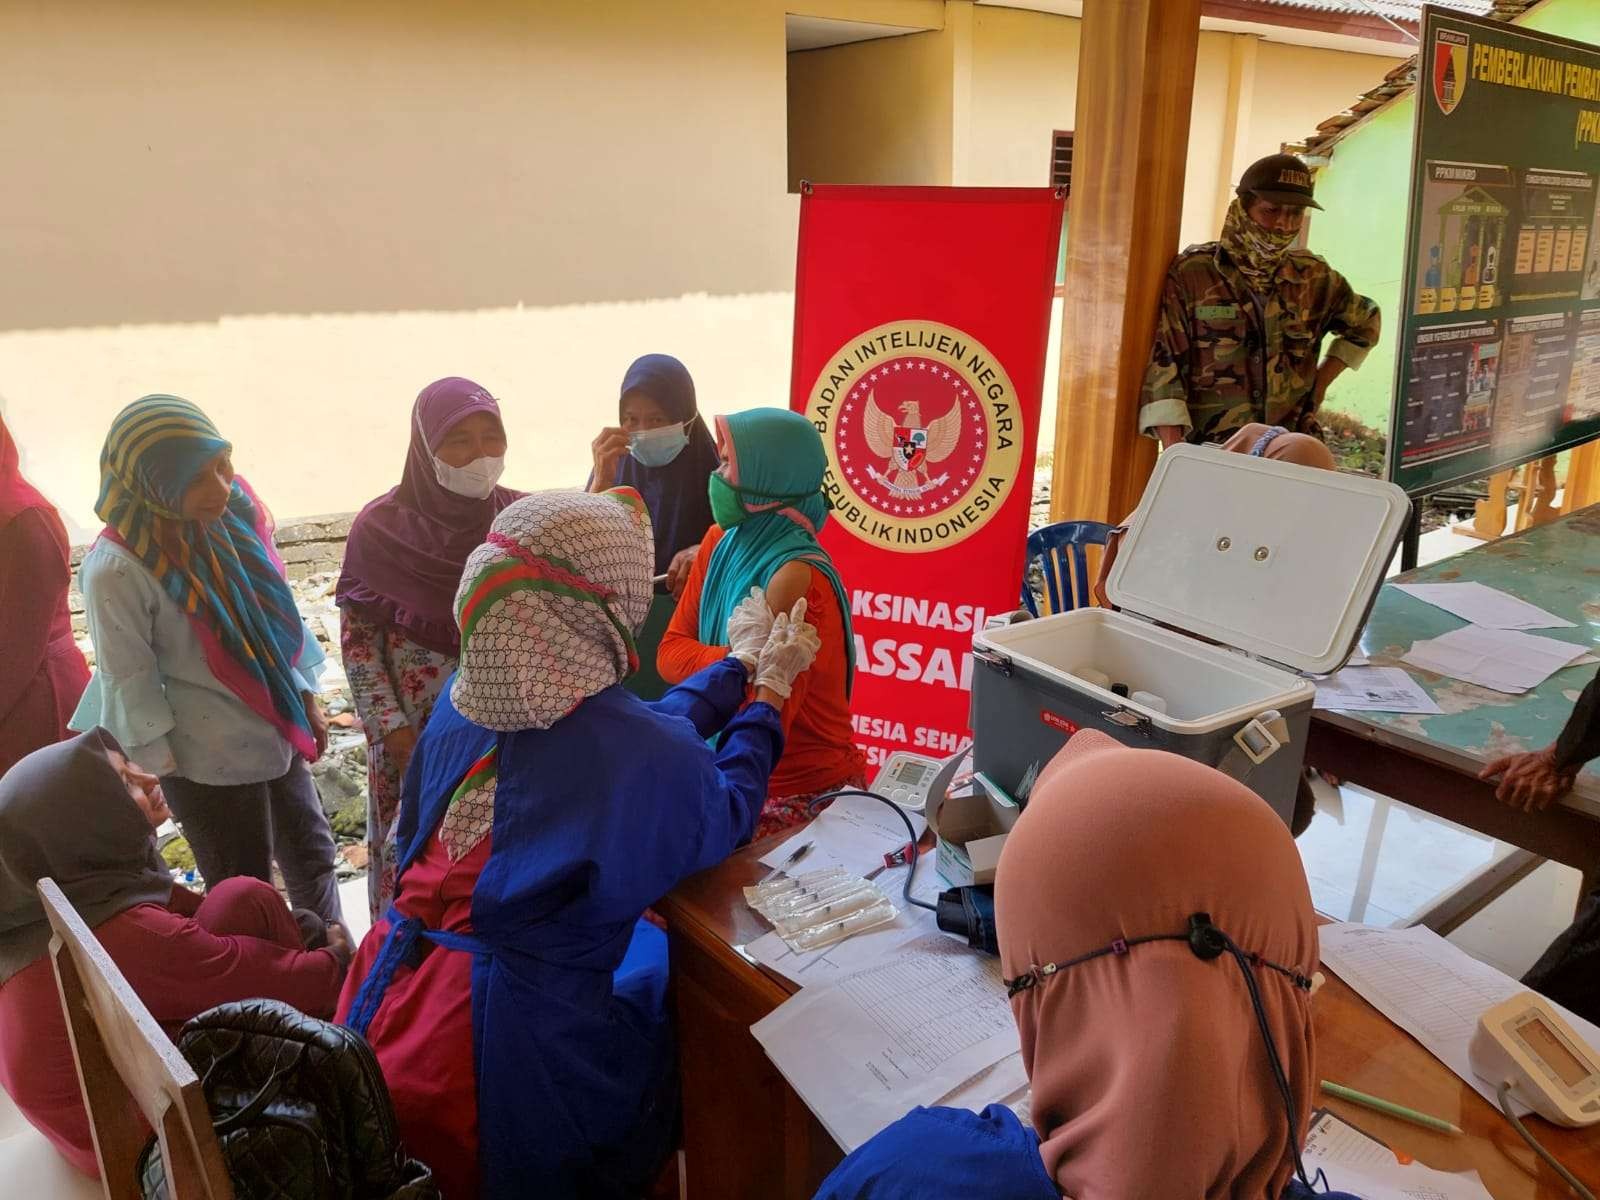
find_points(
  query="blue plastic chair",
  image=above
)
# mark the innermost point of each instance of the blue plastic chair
(1059, 550)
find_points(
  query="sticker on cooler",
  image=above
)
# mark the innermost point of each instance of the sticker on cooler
(1058, 722)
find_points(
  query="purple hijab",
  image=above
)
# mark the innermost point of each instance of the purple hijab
(403, 559)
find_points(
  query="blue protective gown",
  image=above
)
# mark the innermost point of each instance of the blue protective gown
(596, 818)
(957, 1154)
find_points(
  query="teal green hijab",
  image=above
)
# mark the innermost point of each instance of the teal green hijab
(770, 506)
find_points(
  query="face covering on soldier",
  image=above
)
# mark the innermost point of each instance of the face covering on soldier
(1255, 250)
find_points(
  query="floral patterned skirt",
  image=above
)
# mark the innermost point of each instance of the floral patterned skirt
(785, 812)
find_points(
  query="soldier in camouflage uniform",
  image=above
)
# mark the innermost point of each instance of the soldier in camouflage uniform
(1242, 320)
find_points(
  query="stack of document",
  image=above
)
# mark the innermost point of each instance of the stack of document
(1363, 1166)
(1494, 651)
(1502, 660)
(1374, 689)
(930, 1024)
(1483, 605)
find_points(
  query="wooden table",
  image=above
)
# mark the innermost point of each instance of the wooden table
(1433, 762)
(746, 1133)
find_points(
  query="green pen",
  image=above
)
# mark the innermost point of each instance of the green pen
(1390, 1107)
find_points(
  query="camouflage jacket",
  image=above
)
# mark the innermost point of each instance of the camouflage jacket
(1224, 357)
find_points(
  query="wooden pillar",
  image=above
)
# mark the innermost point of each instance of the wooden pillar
(1583, 478)
(1135, 87)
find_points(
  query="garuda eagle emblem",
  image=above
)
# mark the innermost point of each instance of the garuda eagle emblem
(909, 446)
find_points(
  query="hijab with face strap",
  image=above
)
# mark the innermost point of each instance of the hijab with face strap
(403, 559)
(65, 814)
(1150, 1075)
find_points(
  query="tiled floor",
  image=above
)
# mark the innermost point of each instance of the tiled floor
(1418, 857)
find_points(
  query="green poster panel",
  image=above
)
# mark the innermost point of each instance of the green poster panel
(1499, 357)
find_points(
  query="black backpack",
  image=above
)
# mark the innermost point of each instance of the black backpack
(299, 1106)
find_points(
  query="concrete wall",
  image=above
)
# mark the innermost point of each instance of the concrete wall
(298, 214)
(1024, 88)
(1293, 87)
(1576, 19)
(872, 112)
(1365, 191)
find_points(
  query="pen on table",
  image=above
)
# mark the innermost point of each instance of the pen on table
(787, 863)
(1390, 1107)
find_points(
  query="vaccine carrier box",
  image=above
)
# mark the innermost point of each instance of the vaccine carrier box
(1238, 578)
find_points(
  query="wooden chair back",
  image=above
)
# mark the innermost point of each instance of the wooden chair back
(128, 1068)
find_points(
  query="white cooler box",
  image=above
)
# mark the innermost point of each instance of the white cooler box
(1237, 577)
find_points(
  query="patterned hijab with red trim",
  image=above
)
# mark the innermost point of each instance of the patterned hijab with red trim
(549, 607)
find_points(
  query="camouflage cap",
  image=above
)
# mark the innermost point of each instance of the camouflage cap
(1280, 178)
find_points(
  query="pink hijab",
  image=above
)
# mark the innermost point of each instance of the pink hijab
(1150, 1076)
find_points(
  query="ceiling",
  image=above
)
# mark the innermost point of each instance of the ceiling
(1239, 19)
(815, 33)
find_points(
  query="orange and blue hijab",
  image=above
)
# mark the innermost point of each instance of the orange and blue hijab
(224, 575)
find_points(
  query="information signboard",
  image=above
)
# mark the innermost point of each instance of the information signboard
(1499, 359)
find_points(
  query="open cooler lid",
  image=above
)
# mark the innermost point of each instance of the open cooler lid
(1277, 560)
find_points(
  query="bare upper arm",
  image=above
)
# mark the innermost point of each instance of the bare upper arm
(788, 584)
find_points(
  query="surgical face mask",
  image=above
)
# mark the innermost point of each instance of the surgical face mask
(728, 510)
(475, 480)
(658, 447)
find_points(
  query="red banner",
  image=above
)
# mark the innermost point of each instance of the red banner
(921, 318)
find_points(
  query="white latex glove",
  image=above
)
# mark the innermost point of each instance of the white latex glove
(748, 627)
(791, 647)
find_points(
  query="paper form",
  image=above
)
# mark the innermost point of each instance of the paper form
(1335, 1142)
(1433, 990)
(1484, 605)
(1363, 1166)
(869, 1047)
(854, 832)
(1374, 689)
(1502, 660)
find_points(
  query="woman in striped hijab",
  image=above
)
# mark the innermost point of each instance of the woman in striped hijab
(204, 670)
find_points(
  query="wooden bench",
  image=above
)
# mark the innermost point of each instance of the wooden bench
(128, 1068)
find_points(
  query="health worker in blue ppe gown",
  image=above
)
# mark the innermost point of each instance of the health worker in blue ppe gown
(513, 994)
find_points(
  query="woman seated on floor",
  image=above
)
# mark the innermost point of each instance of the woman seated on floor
(1151, 1073)
(514, 996)
(81, 813)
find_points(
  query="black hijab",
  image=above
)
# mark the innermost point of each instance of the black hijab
(675, 494)
(65, 814)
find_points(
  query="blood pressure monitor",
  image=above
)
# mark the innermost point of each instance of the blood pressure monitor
(1526, 1043)
(906, 779)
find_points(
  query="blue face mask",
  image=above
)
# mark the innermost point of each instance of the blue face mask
(658, 447)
